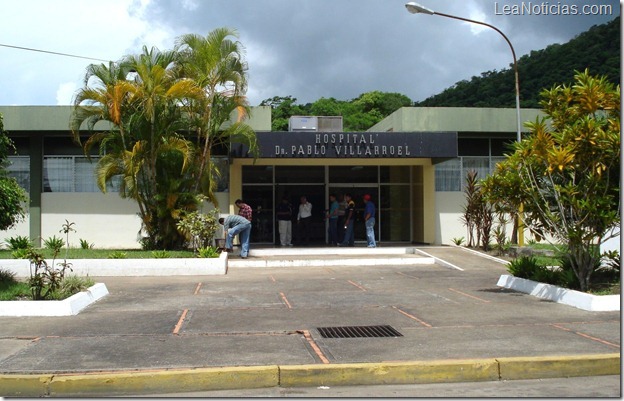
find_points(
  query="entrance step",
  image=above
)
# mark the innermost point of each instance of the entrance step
(319, 257)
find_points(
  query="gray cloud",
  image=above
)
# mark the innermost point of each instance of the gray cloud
(334, 48)
(322, 48)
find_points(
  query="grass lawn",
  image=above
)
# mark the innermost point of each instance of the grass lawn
(14, 290)
(79, 253)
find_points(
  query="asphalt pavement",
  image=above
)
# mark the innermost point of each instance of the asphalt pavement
(264, 327)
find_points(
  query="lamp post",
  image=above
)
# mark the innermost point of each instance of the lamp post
(416, 8)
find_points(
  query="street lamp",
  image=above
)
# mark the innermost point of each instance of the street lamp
(416, 8)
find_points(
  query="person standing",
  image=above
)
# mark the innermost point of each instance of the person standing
(349, 239)
(304, 218)
(234, 225)
(244, 209)
(369, 220)
(342, 206)
(332, 217)
(284, 221)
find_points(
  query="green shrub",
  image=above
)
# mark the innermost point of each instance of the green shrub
(54, 243)
(545, 275)
(199, 229)
(84, 244)
(44, 279)
(160, 254)
(523, 267)
(7, 276)
(117, 255)
(18, 242)
(208, 252)
(72, 285)
(20, 253)
(458, 241)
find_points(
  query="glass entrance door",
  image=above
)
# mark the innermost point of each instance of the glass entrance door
(357, 193)
(315, 195)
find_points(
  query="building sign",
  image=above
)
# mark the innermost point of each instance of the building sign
(335, 145)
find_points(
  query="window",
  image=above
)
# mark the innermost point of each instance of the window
(299, 174)
(73, 174)
(58, 174)
(448, 175)
(19, 168)
(257, 174)
(479, 154)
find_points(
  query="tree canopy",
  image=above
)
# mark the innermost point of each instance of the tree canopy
(597, 49)
(166, 111)
(566, 172)
(358, 114)
(12, 196)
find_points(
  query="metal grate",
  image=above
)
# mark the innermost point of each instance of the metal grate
(358, 332)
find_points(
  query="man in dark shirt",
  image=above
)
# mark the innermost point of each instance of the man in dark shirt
(244, 209)
(349, 239)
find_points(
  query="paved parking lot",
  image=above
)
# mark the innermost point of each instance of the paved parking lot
(271, 316)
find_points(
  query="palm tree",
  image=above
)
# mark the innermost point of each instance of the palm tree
(140, 97)
(166, 111)
(216, 64)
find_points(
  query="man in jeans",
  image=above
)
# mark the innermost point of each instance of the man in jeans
(236, 225)
(369, 220)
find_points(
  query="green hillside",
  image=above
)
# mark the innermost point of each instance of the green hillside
(597, 49)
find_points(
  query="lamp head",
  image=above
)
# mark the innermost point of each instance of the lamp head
(416, 8)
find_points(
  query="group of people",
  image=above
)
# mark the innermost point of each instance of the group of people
(342, 220)
(340, 216)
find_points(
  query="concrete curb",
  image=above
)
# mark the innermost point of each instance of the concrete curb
(131, 267)
(67, 307)
(247, 377)
(346, 261)
(577, 299)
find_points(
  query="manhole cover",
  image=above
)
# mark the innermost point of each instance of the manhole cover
(358, 331)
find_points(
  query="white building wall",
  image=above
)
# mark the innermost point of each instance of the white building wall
(20, 229)
(105, 220)
(448, 206)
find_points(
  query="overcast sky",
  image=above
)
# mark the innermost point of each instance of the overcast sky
(304, 48)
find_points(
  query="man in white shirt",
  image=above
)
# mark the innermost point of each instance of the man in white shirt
(304, 219)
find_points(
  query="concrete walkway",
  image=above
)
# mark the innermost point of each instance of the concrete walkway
(260, 327)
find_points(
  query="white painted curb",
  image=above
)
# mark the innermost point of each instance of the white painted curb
(130, 267)
(580, 300)
(67, 307)
(313, 262)
(327, 251)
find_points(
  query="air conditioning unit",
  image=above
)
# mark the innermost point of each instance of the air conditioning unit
(303, 124)
(330, 124)
(315, 124)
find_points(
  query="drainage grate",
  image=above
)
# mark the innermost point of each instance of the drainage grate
(358, 331)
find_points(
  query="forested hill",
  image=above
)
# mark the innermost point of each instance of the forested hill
(597, 49)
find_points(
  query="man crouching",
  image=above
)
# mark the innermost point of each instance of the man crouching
(233, 225)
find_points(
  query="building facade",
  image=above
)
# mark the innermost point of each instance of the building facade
(412, 164)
